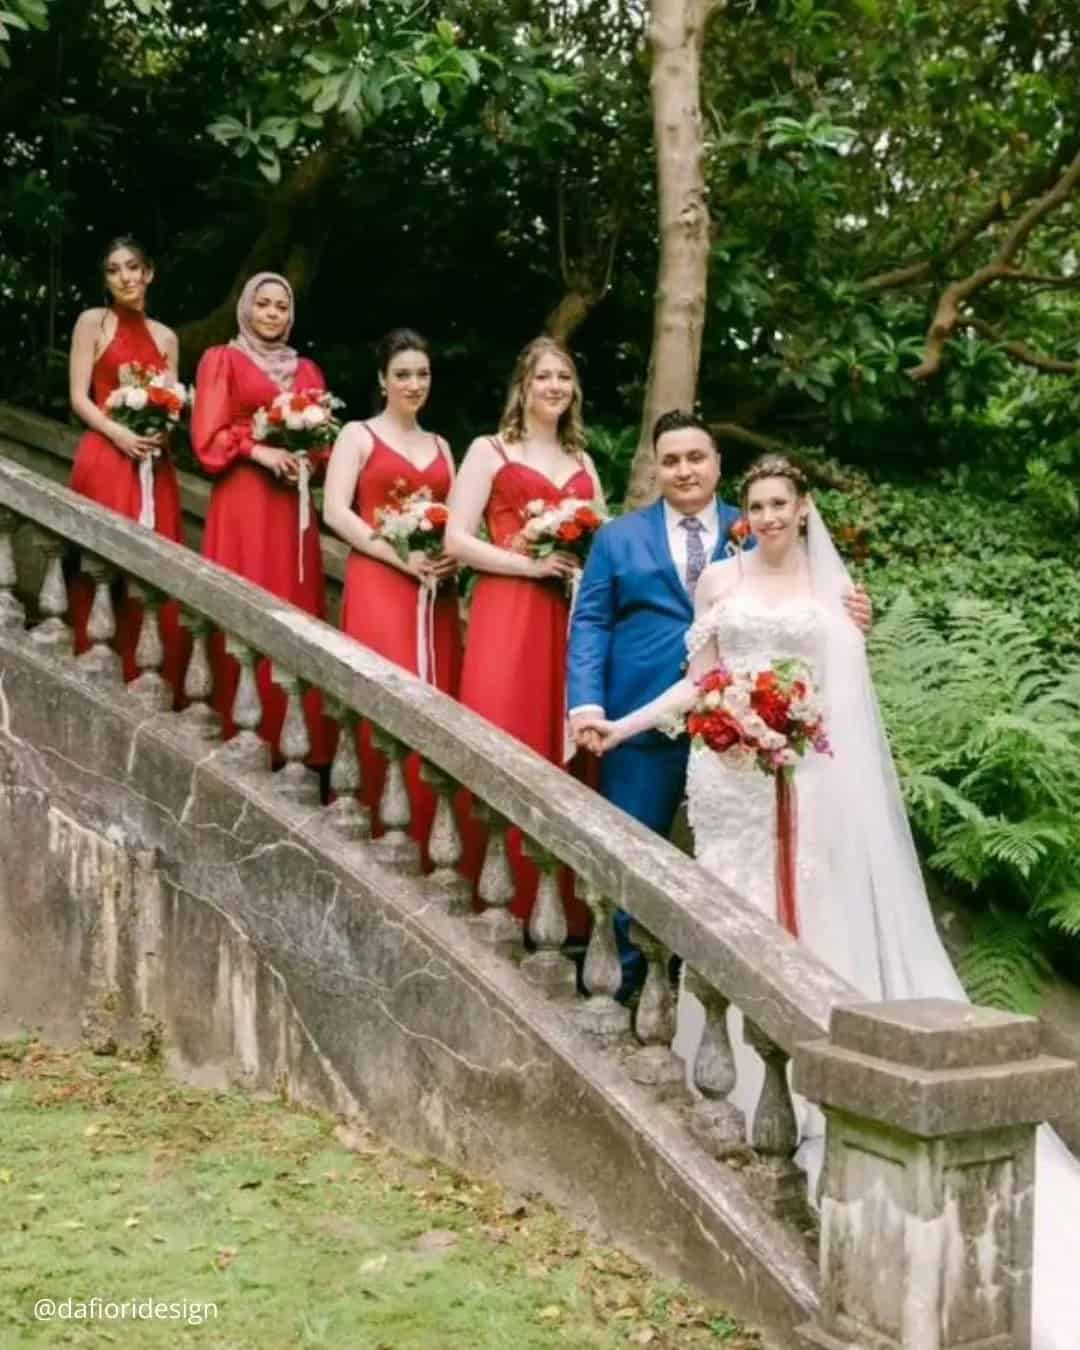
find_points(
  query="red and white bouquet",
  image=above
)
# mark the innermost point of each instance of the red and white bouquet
(146, 400)
(299, 422)
(568, 526)
(768, 717)
(412, 521)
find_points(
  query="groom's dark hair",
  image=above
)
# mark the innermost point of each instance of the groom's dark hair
(678, 420)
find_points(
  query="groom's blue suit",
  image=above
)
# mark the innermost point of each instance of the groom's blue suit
(627, 644)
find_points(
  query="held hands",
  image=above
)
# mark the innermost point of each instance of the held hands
(596, 734)
(134, 446)
(860, 609)
(281, 463)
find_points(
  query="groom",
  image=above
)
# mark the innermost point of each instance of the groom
(627, 637)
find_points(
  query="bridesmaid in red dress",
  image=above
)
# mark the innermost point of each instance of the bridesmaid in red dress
(384, 605)
(253, 520)
(514, 671)
(109, 457)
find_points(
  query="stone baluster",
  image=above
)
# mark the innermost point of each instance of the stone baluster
(351, 820)
(444, 843)
(246, 749)
(100, 660)
(655, 1065)
(395, 847)
(717, 1124)
(150, 686)
(294, 779)
(927, 1206)
(546, 966)
(774, 1132)
(495, 884)
(12, 614)
(602, 1015)
(199, 716)
(52, 631)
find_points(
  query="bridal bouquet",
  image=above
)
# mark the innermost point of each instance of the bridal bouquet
(411, 521)
(298, 422)
(146, 400)
(568, 526)
(768, 717)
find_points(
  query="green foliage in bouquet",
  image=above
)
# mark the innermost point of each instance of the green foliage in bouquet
(985, 727)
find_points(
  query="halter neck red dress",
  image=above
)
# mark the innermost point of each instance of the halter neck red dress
(514, 671)
(253, 526)
(380, 609)
(111, 478)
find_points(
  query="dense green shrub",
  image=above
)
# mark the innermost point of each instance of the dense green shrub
(985, 727)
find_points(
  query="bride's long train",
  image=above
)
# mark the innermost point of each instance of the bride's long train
(862, 904)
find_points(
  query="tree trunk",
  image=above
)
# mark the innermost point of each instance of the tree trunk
(291, 241)
(676, 38)
(569, 314)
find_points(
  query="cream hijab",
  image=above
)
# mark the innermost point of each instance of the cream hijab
(277, 360)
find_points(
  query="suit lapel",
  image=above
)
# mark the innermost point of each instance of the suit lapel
(661, 551)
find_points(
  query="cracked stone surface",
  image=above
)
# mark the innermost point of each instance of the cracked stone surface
(144, 875)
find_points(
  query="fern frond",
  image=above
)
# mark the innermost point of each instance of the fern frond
(1002, 966)
(1062, 911)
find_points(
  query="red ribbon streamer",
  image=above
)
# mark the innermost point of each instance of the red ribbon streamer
(786, 847)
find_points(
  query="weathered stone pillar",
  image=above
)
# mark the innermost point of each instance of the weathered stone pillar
(12, 614)
(928, 1197)
(444, 843)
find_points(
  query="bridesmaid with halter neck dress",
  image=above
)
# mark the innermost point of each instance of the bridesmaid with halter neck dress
(404, 609)
(109, 456)
(253, 520)
(514, 671)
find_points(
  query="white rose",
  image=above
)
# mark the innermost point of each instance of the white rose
(313, 416)
(294, 421)
(713, 699)
(136, 399)
(426, 525)
(534, 530)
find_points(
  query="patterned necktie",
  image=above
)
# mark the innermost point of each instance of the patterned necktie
(695, 551)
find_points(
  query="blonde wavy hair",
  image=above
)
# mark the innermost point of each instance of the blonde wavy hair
(512, 423)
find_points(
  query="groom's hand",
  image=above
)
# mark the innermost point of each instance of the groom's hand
(860, 608)
(583, 729)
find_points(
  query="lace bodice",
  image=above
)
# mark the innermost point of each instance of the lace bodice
(749, 633)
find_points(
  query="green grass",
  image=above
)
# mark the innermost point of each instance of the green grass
(117, 1182)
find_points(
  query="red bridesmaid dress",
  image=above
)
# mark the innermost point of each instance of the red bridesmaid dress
(514, 670)
(379, 609)
(253, 526)
(111, 478)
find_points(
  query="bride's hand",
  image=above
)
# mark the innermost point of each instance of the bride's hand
(860, 609)
(602, 734)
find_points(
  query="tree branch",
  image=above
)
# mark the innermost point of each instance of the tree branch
(1020, 351)
(912, 273)
(948, 314)
(732, 431)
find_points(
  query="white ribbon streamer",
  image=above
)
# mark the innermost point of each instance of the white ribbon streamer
(425, 630)
(303, 489)
(147, 515)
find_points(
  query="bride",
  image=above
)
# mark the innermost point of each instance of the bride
(855, 895)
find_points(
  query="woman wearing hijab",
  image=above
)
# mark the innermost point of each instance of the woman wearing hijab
(253, 521)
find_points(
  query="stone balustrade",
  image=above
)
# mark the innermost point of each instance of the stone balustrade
(736, 956)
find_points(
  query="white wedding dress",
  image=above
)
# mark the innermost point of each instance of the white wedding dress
(861, 903)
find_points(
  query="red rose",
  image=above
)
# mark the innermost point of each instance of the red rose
(438, 515)
(569, 532)
(720, 732)
(159, 397)
(587, 518)
(298, 402)
(740, 531)
(772, 708)
(276, 416)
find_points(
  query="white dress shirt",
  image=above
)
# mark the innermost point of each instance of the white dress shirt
(678, 537)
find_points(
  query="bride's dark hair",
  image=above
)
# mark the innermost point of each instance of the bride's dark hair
(774, 466)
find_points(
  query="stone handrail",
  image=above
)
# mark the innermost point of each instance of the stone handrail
(785, 990)
(914, 1093)
(47, 446)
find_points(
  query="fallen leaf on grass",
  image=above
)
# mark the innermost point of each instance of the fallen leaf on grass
(374, 1264)
(551, 1313)
(6, 1175)
(645, 1336)
(225, 1257)
(249, 1186)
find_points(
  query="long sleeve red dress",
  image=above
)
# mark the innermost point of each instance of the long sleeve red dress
(253, 526)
